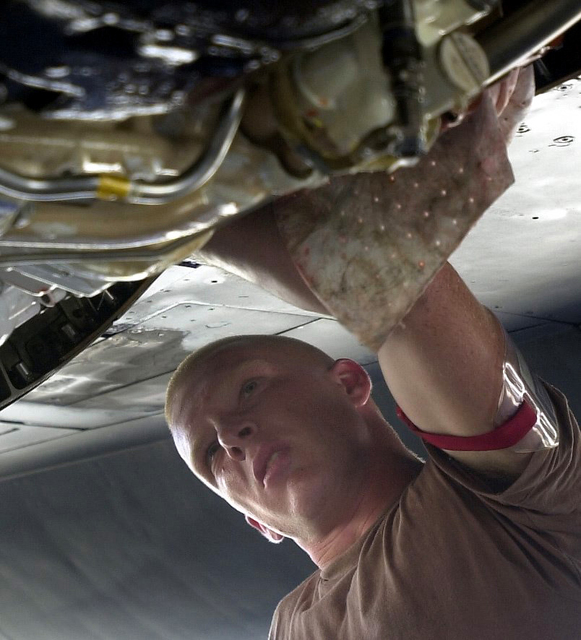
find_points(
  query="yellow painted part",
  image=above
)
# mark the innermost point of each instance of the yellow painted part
(112, 187)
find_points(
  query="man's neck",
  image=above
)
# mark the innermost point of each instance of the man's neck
(372, 504)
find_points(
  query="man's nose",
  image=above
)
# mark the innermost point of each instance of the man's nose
(235, 438)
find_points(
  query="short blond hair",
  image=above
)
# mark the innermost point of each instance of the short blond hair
(188, 366)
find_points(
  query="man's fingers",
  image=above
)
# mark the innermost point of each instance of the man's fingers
(502, 91)
(522, 93)
(511, 98)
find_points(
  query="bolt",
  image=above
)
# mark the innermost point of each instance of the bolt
(23, 370)
(483, 5)
(69, 331)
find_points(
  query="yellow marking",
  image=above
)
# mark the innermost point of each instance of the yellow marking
(113, 187)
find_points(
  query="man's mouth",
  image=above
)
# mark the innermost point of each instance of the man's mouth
(271, 460)
(267, 461)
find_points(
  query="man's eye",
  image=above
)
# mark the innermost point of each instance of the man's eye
(248, 387)
(212, 450)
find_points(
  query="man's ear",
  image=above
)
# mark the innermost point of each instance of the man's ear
(269, 534)
(355, 380)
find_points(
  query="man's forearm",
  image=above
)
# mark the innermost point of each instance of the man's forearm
(252, 248)
(443, 363)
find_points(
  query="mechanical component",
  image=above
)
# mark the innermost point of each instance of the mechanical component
(81, 60)
(111, 187)
(54, 335)
(9, 212)
(108, 108)
(16, 308)
(51, 190)
(43, 291)
(85, 273)
(394, 62)
(313, 125)
(329, 100)
(403, 56)
(512, 41)
(145, 149)
(464, 62)
(236, 186)
(202, 170)
(41, 279)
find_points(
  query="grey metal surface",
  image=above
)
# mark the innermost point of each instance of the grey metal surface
(15, 436)
(130, 547)
(175, 318)
(524, 256)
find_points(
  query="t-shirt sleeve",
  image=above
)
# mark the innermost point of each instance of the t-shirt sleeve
(547, 493)
(273, 633)
(281, 619)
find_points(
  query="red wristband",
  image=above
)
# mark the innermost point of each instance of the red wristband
(503, 437)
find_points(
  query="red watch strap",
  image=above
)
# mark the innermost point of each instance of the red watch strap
(503, 437)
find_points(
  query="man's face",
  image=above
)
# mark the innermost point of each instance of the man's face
(274, 433)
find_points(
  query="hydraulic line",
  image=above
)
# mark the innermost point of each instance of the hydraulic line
(49, 189)
(55, 257)
(87, 188)
(202, 170)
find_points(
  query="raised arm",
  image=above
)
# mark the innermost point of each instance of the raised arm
(442, 355)
(443, 363)
(444, 366)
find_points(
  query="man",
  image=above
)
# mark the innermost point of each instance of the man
(482, 541)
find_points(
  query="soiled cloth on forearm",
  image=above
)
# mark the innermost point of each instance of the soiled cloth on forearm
(369, 244)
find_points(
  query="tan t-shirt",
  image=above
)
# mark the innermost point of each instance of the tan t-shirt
(453, 560)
